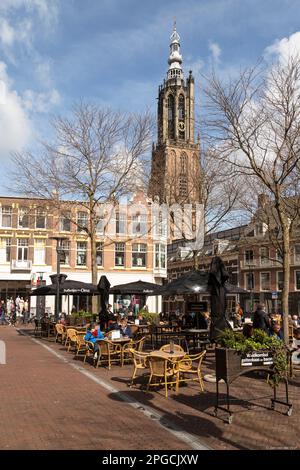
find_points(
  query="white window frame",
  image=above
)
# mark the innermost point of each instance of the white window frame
(277, 280)
(40, 212)
(62, 219)
(247, 262)
(120, 251)
(260, 281)
(5, 250)
(160, 250)
(21, 246)
(81, 250)
(23, 211)
(264, 261)
(79, 229)
(102, 254)
(65, 245)
(38, 250)
(296, 261)
(246, 282)
(139, 250)
(9, 213)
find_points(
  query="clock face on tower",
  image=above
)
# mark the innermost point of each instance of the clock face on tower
(181, 126)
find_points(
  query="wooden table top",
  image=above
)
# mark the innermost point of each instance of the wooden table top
(168, 355)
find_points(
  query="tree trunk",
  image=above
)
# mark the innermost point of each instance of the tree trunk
(93, 261)
(286, 281)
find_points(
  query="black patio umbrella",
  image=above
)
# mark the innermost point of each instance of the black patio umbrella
(103, 286)
(194, 282)
(137, 288)
(217, 279)
(68, 287)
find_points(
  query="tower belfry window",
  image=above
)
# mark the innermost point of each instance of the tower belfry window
(181, 116)
(171, 114)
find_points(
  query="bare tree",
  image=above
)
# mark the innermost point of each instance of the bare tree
(254, 123)
(217, 193)
(98, 155)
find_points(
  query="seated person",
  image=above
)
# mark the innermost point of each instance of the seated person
(115, 324)
(248, 330)
(142, 321)
(295, 321)
(202, 321)
(125, 328)
(188, 320)
(295, 348)
(275, 330)
(130, 316)
(63, 320)
(93, 334)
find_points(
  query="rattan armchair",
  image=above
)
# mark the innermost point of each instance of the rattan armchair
(176, 347)
(128, 347)
(140, 362)
(109, 352)
(164, 370)
(190, 365)
(71, 338)
(60, 333)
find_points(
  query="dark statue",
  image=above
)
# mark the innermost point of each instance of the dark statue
(217, 278)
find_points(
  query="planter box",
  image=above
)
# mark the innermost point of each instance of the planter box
(230, 363)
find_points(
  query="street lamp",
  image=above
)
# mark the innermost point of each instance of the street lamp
(59, 251)
(251, 283)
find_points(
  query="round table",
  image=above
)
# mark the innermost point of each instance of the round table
(168, 355)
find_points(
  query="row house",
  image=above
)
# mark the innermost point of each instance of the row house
(128, 247)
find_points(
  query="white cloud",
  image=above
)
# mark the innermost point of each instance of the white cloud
(285, 48)
(15, 124)
(215, 51)
(43, 72)
(7, 33)
(196, 67)
(40, 102)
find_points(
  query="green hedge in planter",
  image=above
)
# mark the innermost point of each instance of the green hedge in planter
(259, 341)
(150, 317)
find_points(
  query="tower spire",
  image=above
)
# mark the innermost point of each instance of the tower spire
(175, 58)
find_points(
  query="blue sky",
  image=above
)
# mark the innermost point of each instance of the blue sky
(114, 52)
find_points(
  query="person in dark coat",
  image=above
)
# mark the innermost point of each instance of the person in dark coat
(261, 319)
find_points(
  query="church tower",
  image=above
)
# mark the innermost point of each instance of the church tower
(175, 172)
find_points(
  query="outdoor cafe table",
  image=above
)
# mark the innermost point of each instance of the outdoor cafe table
(123, 340)
(163, 331)
(177, 355)
(200, 336)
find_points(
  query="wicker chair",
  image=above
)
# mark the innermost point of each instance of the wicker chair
(109, 352)
(89, 351)
(128, 347)
(164, 370)
(191, 365)
(60, 333)
(140, 362)
(80, 344)
(71, 338)
(37, 327)
(176, 347)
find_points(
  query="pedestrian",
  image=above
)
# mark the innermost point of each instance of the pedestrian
(261, 319)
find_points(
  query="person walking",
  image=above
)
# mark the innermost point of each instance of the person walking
(261, 319)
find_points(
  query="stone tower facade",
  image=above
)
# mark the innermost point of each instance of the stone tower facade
(176, 172)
